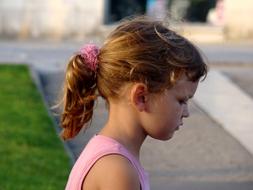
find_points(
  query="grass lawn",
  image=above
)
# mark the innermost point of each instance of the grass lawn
(31, 154)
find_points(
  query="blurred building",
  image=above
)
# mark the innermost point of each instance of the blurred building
(56, 19)
(238, 19)
(62, 19)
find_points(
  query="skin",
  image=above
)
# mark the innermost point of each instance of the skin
(132, 118)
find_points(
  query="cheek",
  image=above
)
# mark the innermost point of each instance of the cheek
(176, 108)
(177, 113)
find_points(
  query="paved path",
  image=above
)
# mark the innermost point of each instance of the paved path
(204, 154)
(226, 103)
(230, 53)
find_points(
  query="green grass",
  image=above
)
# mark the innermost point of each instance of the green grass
(31, 154)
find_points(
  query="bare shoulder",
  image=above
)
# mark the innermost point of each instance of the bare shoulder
(112, 172)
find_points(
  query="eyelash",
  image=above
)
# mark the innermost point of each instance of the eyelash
(183, 101)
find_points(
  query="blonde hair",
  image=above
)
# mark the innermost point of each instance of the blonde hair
(138, 50)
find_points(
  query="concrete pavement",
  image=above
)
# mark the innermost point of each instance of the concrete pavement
(204, 154)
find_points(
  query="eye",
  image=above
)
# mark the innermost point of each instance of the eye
(183, 101)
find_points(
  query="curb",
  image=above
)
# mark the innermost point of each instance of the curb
(36, 79)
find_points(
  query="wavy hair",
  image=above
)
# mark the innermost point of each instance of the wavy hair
(138, 50)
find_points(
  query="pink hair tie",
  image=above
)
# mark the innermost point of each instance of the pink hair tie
(89, 53)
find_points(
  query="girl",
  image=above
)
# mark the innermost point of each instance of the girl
(146, 73)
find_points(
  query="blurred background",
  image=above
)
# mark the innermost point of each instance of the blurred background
(213, 151)
(71, 19)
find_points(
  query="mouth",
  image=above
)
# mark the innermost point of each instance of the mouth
(177, 128)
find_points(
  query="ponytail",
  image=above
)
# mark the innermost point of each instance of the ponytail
(79, 96)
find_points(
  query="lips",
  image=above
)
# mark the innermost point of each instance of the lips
(177, 128)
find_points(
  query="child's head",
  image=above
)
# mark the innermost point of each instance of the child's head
(137, 51)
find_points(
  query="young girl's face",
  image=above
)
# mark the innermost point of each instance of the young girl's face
(167, 110)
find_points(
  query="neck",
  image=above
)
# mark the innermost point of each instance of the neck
(123, 126)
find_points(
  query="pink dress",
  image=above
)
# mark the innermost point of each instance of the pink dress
(98, 147)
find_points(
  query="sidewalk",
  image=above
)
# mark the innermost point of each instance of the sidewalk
(203, 154)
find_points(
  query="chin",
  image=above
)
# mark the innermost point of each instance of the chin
(168, 138)
(163, 137)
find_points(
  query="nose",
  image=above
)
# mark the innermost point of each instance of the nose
(185, 111)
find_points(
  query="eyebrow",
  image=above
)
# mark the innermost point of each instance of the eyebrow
(189, 97)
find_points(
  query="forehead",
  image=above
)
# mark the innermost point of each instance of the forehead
(185, 87)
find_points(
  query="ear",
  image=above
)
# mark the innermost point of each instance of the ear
(139, 96)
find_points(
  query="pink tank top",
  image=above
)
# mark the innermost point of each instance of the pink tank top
(98, 147)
